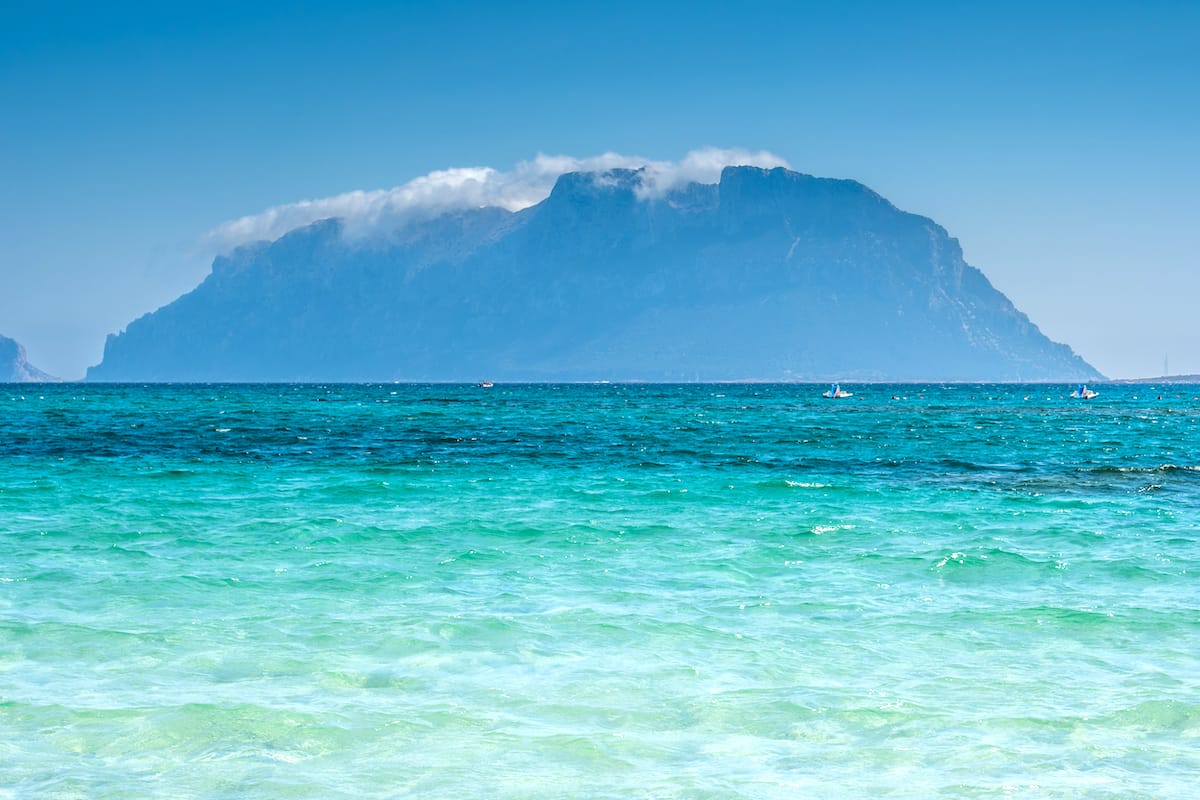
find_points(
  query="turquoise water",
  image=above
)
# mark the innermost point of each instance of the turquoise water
(701, 591)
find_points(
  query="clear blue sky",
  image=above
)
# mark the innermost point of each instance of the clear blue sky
(1057, 141)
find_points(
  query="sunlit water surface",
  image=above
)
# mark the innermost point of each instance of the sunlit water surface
(701, 591)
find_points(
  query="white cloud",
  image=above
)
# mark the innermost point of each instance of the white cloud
(529, 182)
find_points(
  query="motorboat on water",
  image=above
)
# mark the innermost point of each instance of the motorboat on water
(1084, 393)
(836, 392)
(486, 384)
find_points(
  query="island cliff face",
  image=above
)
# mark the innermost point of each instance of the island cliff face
(766, 275)
(15, 369)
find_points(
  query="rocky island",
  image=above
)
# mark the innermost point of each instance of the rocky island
(14, 368)
(768, 274)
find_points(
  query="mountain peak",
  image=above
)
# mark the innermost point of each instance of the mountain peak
(14, 368)
(748, 172)
(781, 181)
(573, 186)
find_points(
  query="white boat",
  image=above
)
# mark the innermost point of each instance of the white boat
(1084, 393)
(836, 392)
(486, 384)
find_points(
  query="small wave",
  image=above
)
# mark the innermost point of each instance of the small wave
(1064, 616)
(996, 562)
(177, 472)
(1161, 715)
(1163, 468)
(817, 530)
(956, 557)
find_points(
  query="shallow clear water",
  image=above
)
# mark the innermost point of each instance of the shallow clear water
(702, 591)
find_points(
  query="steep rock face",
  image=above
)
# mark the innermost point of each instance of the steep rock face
(14, 368)
(766, 275)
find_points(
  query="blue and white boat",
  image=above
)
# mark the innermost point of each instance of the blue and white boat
(1084, 393)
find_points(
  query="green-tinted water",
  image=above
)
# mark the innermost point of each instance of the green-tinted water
(598, 591)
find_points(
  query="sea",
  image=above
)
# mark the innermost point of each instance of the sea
(599, 591)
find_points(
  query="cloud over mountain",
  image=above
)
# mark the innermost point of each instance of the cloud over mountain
(374, 212)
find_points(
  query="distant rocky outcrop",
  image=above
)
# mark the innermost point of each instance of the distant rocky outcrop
(767, 275)
(15, 369)
(1167, 379)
